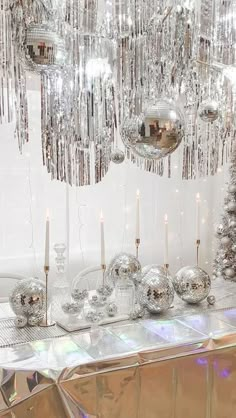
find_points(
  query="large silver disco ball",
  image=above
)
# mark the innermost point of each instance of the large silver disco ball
(45, 49)
(158, 269)
(156, 292)
(28, 299)
(156, 133)
(124, 265)
(192, 284)
(209, 111)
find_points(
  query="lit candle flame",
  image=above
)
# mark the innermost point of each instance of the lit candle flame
(47, 214)
(198, 197)
(138, 193)
(101, 216)
(166, 218)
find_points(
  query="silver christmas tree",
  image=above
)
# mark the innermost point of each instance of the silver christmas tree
(225, 260)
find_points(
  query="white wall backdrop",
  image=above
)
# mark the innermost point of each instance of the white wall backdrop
(26, 191)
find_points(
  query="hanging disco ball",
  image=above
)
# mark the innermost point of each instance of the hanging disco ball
(45, 49)
(192, 284)
(156, 292)
(117, 156)
(124, 265)
(209, 111)
(156, 133)
(28, 299)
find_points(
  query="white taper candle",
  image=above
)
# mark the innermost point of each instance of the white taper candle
(166, 241)
(103, 261)
(47, 238)
(137, 237)
(197, 216)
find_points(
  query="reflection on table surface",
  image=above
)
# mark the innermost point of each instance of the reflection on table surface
(118, 340)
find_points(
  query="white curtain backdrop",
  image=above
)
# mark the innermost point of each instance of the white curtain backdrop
(26, 191)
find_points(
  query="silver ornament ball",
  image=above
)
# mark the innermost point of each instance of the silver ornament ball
(209, 111)
(72, 308)
(156, 292)
(111, 309)
(231, 206)
(79, 295)
(232, 188)
(137, 312)
(225, 241)
(117, 156)
(232, 223)
(233, 248)
(229, 272)
(20, 321)
(124, 265)
(192, 284)
(33, 321)
(157, 133)
(28, 298)
(219, 229)
(211, 300)
(45, 49)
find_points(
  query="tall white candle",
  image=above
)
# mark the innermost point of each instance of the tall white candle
(137, 215)
(103, 261)
(47, 245)
(166, 241)
(197, 216)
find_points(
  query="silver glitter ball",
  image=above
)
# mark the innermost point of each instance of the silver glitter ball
(209, 111)
(72, 308)
(45, 49)
(94, 316)
(231, 206)
(229, 272)
(225, 241)
(156, 133)
(105, 290)
(211, 300)
(192, 284)
(28, 298)
(233, 248)
(156, 292)
(124, 265)
(79, 295)
(232, 223)
(158, 269)
(232, 188)
(111, 309)
(33, 321)
(20, 321)
(117, 156)
(98, 301)
(137, 312)
(219, 229)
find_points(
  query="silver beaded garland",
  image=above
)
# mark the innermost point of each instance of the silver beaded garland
(225, 241)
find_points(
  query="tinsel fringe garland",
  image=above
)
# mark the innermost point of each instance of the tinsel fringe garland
(144, 50)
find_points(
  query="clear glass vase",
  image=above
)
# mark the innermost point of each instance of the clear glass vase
(61, 292)
(124, 296)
